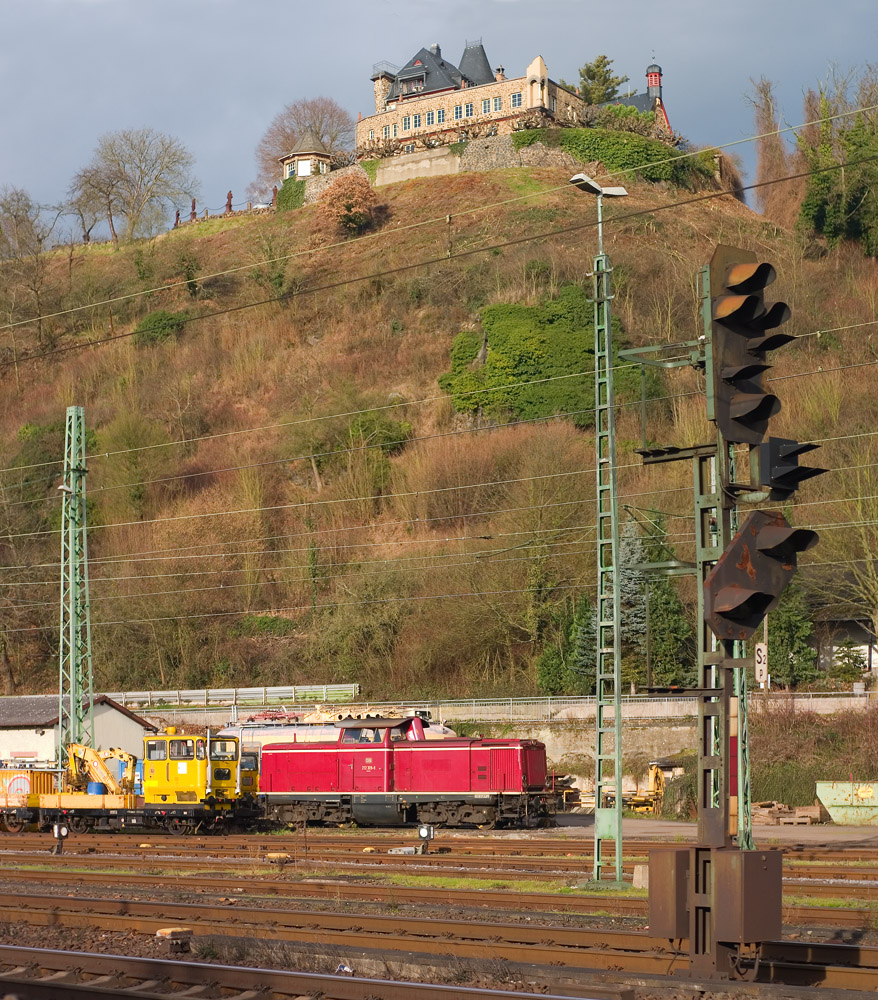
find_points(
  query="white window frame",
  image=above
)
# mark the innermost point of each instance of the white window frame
(429, 118)
(371, 135)
(291, 168)
(409, 147)
(416, 121)
(458, 112)
(303, 168)
(406, 123)
(515, 100)
(440, 116)
(486, 105)
(385, 132)
(469, 110)
(498, 103)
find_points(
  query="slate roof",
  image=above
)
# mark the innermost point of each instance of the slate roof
(40, 711)
(474, 64)
(309, 142)
(643, 102)
(438, 73)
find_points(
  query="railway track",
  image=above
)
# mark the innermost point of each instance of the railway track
(817, 881)
(837, 966)
(40, 974)
(337, 891)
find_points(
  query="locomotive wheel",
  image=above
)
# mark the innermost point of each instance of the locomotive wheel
(80, 824)
(13, 825)
(179, 827)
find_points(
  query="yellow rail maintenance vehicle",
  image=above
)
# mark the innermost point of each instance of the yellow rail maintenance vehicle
(191, 783)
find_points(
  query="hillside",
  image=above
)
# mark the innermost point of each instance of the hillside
(282, 493)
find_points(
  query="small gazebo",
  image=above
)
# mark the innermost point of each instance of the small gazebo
(308, 157)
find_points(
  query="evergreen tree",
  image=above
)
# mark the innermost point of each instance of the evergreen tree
(597, 82)
(848, 663)
(842, 204)
(792, 660)
(671, 639)
(567, 666)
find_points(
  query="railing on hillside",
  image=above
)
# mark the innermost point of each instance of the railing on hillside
(252, 696)
(525, 710)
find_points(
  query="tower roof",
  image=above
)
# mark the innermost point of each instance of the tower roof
(474, 64)
(309, 142)
(427, 64)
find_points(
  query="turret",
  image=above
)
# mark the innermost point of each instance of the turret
(654, 82)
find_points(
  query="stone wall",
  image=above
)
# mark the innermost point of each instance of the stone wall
(570, 746)
(477, 155)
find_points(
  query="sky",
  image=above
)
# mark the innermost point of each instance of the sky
(213, 73)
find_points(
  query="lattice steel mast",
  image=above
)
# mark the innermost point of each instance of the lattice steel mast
(608, 691)
(75, 683)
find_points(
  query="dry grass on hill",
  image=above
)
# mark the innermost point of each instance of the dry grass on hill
(353, 549)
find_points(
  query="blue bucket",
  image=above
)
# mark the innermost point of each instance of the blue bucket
(96, 788)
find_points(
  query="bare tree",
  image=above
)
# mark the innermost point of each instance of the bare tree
(138, 174)
(779, 200)
(25, 230)
(333, 125)
(92, 197)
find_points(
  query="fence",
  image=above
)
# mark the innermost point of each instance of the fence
(253, 696)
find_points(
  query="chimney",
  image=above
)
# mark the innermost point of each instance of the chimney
(434, 48)
(499, 75)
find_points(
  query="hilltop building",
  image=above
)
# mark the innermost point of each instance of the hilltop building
(431, 102)
(308, 157)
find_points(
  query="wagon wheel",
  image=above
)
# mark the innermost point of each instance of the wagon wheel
(179, 826)
(80, 824)
(13, 825)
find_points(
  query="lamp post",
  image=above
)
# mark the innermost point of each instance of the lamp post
(608, 691)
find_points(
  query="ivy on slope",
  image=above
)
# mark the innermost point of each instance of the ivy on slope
(616, 150)
(529, 344)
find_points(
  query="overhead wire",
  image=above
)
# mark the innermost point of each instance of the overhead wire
(442, 219)
(444, 259)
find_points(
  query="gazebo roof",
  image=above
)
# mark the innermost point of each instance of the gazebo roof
(309, 142)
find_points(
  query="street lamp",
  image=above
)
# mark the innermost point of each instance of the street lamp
(608, 693)
(586, 183)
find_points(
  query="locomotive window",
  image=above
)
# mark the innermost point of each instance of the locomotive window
(223, 750)
(397, 734)
(199, 749)
(182, 749)
(249, 762)
(351, 736)
(156, 750)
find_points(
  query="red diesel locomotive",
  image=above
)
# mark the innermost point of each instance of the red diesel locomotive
(384, 772)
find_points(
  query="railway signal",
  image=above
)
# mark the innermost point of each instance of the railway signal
(743, 328)
(779, 467)
(752, 573)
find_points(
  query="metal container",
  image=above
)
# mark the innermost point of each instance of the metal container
(853, 803)
(747, 894)
(668, 888)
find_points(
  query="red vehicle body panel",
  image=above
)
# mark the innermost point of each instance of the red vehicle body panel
(452, 765)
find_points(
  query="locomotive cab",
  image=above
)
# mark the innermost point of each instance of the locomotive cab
(201, 772)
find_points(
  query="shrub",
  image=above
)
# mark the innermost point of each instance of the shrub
(260, 626)
(291, 195)
(530, 344)
(371, 168)
(348, 204)
(158, 326)
(617, 150)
